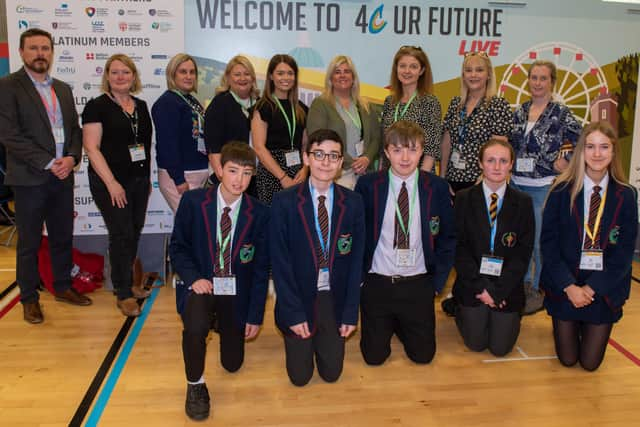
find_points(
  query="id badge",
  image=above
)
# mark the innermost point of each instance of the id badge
(458, 161)
(524, 165)
(359, 148)
(224, 285)
(58, 135)
(323, 279)
(491, 265)
(405, 257)
(591, 260)
(292, 158)
(202, 148)
(137, 152)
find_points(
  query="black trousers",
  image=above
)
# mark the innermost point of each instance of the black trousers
(326, 345)
(196, 319)
(483, 328)
(405, 308)
(50, 203)
(124, 226)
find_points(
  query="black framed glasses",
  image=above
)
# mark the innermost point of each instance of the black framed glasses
(321, 155)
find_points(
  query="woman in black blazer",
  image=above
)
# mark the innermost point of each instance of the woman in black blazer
(589, 229)
(495, 231)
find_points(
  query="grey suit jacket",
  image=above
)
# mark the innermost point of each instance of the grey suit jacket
(26, 132)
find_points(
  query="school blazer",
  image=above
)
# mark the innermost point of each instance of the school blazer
(193, 248)
(295, 263)
(436, 213)
(514, 239)
(561, 243)
(323, 115)
(26, 132)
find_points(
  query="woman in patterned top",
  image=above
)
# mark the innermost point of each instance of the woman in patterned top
(472, 118)
(412, 100)
(544, 135)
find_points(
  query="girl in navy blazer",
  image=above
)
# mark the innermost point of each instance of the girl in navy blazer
(495, 229)
(589, 229)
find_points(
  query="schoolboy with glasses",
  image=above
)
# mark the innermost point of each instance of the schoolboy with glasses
(316, 246)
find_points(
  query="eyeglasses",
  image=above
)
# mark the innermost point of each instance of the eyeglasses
(476, 53)
(410, 47)
(321, 155)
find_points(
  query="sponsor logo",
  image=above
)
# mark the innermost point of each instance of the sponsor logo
(65, 56)
(90, 86)
(94, 214)
(90, 11)
(67, 26)
(27, 10)
(66, 70)
(22, 24)
(95, 56)
(158, 71)
(97, 26)
(121, 12)
(159, 56)
(62, 10)
(152, 212)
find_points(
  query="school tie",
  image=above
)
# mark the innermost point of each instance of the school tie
(493, 208)
(323, 220)
(594, 206)
(225, 229)
(402, 239)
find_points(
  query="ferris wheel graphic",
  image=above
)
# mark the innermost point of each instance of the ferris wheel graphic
(579, 77)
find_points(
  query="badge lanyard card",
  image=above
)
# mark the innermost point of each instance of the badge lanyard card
(592, 258)
(58, 130)
(405, 257)
(292, 157)
(323, 273)
(457, 158)
(357, 122)
(490, 264)
(199, 118)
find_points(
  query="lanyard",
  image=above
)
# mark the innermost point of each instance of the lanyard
(356, 120)
(596, 225)
(223, 245)
(404, 109)
(245, 108)
(291, 124)
(324, 246)
(51, 110)
(494, 226)
(133, 118)
(412, 203)
(197, 110)
(464, 121)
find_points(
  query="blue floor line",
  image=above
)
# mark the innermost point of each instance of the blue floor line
(112, 380)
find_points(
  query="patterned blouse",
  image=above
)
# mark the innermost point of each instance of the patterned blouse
(469, 133)
(424, 110)
(555, 132)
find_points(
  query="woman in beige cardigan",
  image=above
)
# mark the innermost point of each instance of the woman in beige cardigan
(341, 109)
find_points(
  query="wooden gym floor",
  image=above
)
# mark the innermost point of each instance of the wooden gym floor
(91, 366)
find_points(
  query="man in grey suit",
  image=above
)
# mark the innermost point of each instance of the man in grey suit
(39, 128)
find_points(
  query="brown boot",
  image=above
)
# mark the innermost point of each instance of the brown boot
(32, 312)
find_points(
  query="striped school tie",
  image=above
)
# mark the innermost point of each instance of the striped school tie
(402, 239)
(323, 220)
(594, 206)
(225, 229)
(493, 208)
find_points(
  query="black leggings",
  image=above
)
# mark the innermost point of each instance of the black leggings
(581, 341)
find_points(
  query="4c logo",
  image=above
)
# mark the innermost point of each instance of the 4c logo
(375, 23)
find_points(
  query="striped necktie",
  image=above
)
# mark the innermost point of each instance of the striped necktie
(323, 221)
(225, 229)
(594, 206)
(402, 239)
(493, 208)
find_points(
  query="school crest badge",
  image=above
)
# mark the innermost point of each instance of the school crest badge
(344, 244)
(614, 235)
(434, 225)
(246, 253)
(509, 239)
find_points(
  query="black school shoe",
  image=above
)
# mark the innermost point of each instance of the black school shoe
(197, 405)
(449, 306)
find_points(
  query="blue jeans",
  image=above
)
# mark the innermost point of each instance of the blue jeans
(538, 196)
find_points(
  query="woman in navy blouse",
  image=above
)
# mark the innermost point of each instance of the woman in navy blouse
(544, 135)
(179, 121)
(589, 230)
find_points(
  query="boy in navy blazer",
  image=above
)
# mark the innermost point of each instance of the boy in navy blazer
(218, 248)
(409, 249)
(317, 243)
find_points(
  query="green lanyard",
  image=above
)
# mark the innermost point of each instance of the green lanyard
(291, 124)
(404, 110)
(412, 203)
(245, 109)
(356, 120)
(223, 245)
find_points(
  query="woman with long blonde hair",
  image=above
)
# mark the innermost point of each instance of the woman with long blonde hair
(589, 229)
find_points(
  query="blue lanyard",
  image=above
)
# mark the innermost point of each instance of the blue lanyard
(324, 246)
(494, 226)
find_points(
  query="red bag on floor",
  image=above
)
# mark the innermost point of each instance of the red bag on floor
(86, 272)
